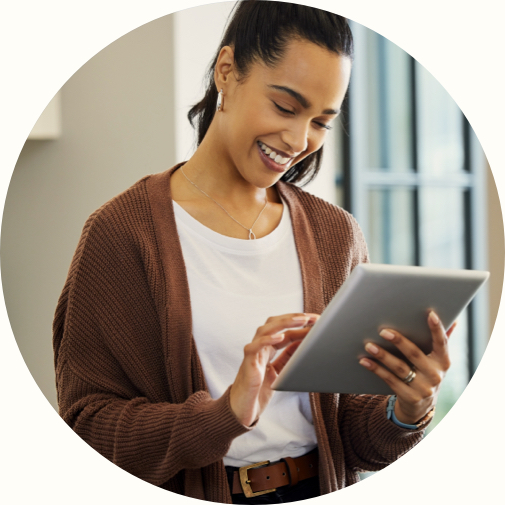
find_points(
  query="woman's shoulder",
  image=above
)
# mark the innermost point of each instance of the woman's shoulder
(132, 201)
(139, 202)
(124, 222)
(133, 209)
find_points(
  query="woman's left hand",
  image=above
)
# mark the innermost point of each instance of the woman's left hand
(418, 397)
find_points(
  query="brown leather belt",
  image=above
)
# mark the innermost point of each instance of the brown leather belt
(261, 478)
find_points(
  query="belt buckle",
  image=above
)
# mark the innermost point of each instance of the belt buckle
(246, 483)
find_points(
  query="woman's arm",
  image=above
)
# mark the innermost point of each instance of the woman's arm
(372, 441)
(119, 386)
(151, 440)
(114, 388)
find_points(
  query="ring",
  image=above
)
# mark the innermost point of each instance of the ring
(410, 377)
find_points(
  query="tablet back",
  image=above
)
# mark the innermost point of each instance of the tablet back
(372, 298)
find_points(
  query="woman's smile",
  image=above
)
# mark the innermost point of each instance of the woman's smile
(289, 109)
(272, 159)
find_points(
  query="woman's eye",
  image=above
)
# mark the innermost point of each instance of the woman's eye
(322, 125)
(282, 109)
(286, 111)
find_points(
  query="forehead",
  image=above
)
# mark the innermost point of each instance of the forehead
(317, 73)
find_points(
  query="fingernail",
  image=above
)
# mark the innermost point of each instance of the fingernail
(365, 363)
(434, 318)
(300, 318)
(387, 335)
(278, 336)
(372, 348)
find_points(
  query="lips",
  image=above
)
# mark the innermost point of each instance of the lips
(279, 157)
(271, 164)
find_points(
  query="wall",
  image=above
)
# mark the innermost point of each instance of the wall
(117, 126)
(496, 249)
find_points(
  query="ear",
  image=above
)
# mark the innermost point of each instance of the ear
(223, 72)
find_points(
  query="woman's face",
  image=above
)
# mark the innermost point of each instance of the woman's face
(284, 112)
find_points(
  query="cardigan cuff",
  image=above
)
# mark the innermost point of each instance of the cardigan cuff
(225, 424)
(382, 428)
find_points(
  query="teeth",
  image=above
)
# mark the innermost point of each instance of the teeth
(273, 155)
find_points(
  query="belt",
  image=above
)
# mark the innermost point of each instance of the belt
(261, 478)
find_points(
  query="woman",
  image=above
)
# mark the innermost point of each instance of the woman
(184, 287)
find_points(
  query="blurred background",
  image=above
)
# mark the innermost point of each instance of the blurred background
(403, 159)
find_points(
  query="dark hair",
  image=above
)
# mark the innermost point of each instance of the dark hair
(261, 30)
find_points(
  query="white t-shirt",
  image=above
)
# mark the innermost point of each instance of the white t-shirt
(235, 286)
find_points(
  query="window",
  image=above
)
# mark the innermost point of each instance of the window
(413, 175)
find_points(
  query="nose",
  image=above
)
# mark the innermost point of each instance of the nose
(296, 137)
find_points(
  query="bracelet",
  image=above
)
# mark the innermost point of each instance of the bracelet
(390, 412)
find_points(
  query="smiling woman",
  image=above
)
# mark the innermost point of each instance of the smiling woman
(272, 122)
(189, 292)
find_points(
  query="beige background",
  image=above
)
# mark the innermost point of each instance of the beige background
(121, 119)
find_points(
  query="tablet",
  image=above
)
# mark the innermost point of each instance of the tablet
(374, 297)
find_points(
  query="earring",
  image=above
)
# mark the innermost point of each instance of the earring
(219, 100)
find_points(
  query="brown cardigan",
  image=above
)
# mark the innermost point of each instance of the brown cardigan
(128, 376)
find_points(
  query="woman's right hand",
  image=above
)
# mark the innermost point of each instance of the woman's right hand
(251, 391)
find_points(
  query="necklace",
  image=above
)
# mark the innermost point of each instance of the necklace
(252, 236)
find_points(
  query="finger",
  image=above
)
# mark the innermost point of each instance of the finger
(280, 362)
(407, 348)
(279, 323)
(428, 377)
(252, 349)
(439, 337)
(291, 336)
(394, 364)
(451, 329)
(275, 341)
(407, 392)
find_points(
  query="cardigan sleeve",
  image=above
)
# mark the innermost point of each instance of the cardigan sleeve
(372, 441)
(111, 391)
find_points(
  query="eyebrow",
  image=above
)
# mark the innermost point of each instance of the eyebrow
(300, 98)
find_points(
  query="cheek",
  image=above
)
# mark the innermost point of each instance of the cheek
(260, 118)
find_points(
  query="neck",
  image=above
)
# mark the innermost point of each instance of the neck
(211, 170)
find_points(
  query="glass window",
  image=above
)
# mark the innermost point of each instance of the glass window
(442, 227)
(391, 218)
(388, 99)
(440, 127)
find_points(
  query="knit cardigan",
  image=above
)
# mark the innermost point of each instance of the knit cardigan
(128, 375)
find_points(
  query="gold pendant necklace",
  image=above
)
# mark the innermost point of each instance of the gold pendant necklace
(252, 235)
